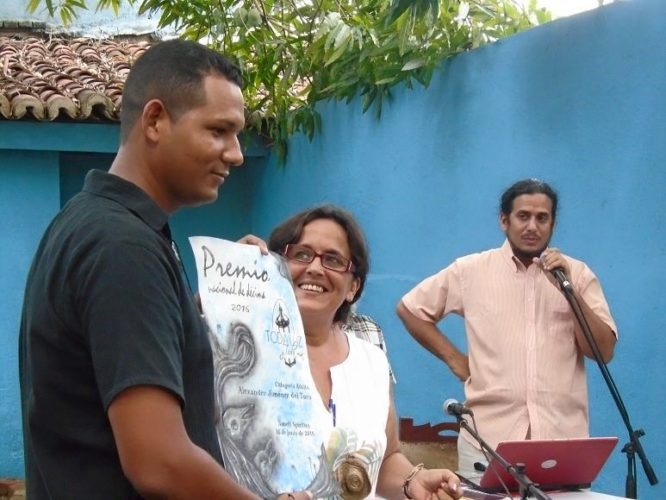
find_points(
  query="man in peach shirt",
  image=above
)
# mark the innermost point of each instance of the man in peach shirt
(524, 373)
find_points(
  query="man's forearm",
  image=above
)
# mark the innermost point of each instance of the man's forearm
(156, 453)
(429, 336)
(601, 332)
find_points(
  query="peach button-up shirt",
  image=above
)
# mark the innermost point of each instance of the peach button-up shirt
(527, 375)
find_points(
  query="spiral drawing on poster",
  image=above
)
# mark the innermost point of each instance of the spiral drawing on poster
(252, 466)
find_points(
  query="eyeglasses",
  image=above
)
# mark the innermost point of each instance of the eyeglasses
(332, 261)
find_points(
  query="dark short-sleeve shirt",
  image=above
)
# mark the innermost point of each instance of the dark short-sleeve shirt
(106, 308)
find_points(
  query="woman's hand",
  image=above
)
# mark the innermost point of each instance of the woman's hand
(434, 484)
(250, 239)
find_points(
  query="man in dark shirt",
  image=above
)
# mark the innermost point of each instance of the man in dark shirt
(115, 365)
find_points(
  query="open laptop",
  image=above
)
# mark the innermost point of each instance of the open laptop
(550, 463)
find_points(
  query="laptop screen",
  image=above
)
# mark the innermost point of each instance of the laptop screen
(551, 464)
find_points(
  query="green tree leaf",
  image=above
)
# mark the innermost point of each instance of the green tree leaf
(295, 53)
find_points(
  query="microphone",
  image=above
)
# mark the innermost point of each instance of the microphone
(561, 277)
(453, 407)
(558, 272)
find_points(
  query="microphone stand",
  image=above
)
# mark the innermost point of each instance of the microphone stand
(526, 486)
(634, 445)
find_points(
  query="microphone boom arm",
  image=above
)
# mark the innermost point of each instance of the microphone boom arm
(634, 445)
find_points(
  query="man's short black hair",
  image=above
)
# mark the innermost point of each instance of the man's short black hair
(173, 72)
(527, 186)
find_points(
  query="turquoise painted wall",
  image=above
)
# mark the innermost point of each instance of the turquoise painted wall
(29, 197)
(578, 102)
(42, 165)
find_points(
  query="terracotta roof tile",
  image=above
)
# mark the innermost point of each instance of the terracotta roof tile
(64, 78)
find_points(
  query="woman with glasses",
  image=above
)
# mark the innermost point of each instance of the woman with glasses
(328, 259)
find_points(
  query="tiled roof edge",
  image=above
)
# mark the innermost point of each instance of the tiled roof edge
(58, 78)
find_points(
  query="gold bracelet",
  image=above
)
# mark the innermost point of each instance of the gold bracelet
(410, 476)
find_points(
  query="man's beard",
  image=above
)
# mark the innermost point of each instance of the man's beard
(527, 256)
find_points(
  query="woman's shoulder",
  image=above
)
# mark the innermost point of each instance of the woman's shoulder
(364, 351)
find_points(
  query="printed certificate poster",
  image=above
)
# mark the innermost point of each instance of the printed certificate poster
(272, 424)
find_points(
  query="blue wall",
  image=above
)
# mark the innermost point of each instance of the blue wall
(42, 165)
(578, 102)
(23, 220)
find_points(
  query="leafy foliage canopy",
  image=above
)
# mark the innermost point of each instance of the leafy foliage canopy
(294, 53)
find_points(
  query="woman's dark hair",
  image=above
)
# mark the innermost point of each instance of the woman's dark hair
(291, 230)
(527, 186)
